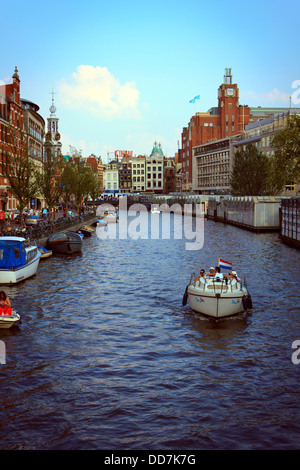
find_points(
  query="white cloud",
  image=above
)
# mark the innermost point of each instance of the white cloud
(275, 97)
(96, 90)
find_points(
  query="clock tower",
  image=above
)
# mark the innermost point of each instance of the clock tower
(233, 117)
(53, 143)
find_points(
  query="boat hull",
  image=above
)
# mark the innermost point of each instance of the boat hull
(216, 304)
(16, 275)
(65, 243)
(7, 321)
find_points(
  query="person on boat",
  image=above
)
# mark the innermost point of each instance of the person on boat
(211, 272)
(4, 300)
(233, 275)
(218, 274)
(201, 278)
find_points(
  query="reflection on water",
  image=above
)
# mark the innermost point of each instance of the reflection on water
(106, 357)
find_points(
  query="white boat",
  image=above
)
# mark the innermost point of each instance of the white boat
(17, 262)
(217, 298)
(6, 321)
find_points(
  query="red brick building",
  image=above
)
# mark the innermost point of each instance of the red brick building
(11, 128)
(228, 119)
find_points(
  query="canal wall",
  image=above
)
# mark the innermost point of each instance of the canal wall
(255, 213)
(76, 226)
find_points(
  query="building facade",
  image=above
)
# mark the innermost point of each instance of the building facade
(34, 128)
(12, 137)
(261, 133)
(212, 165)
(138, 165)
(111, 177)
(155, 170)
(228, 119)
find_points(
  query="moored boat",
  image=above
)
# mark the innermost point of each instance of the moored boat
(65, 242)
(217, 298)
(17, 261)
(86, 230)
(8, 317)
(44, 253)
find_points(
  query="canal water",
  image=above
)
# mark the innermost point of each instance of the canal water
(106, 356)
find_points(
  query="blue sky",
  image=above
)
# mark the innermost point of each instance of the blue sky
(124, 72)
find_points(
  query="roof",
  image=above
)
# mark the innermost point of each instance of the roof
(246, 141)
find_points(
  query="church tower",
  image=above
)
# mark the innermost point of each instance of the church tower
(52, 144)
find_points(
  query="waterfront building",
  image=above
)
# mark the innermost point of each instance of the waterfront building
(34, 128)
(213, 161)
(125, 174)
(169, 175)
(12, 137)
(138, 177)
(155, 170)
(229, 118)
(260, 133)
(111, 177)
(212, 165)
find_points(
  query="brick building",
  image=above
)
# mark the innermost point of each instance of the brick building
(11, 133)
(228, 119)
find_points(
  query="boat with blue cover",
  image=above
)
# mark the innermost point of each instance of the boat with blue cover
(17, 261)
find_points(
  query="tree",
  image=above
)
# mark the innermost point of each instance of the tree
(93, 186)
(250, 173)
(285, 164)
(49, 180)
(19, 169)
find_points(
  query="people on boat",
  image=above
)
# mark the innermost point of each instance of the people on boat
(4, 300)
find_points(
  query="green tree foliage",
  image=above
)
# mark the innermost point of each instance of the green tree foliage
(78, 180)
(19, 169)
(285, 164)
(49, 180)
(250, 173)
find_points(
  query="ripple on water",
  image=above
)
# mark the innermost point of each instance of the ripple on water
(106, 357)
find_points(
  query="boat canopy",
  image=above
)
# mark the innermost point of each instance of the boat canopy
(12, 253)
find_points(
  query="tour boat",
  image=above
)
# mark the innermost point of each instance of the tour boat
(65, 242)
(217, 298)
(9, 318)
(17, 261)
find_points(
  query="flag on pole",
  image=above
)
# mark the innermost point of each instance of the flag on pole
(225, 264)
(195, 98)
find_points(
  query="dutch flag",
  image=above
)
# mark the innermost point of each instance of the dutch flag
(224, 264)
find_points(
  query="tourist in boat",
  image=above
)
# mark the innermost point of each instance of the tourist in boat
(233, 275)
(211, 272)
(4, 300)
(218, 274)
(201, 278)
